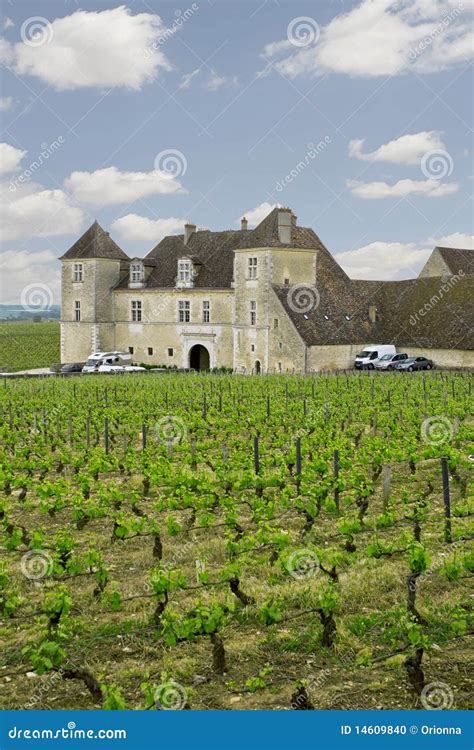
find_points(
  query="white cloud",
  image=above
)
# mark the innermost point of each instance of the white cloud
(8, 23)
(401, 189)
(10, 158)
(396, 260)
(457, 239)
(408, 149)
(255, 215)
(6, 103)
(108, 187)
(274, 48)
(109, 48)
(187, 78)
(22, 268)
(215, 81)
(384, 37)
(139, 228)
(6, 52)
(31, 211)
(384, 260)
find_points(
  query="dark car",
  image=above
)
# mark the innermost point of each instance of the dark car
(72, 367)
(415, 363)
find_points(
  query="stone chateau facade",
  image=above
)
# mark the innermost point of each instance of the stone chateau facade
(269, 299)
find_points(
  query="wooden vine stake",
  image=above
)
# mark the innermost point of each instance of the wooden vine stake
(298, 464)
(256, 458)
(447, 500)
(106, 434)
(386, 483)
(336, 478)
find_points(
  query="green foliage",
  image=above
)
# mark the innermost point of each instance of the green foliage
(46, 655)
(113, 699)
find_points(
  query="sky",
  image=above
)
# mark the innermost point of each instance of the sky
(355, 113)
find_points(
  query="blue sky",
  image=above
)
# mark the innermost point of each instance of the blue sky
(358, 115)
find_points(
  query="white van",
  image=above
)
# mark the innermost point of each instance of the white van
(110, 362)
(368, 358)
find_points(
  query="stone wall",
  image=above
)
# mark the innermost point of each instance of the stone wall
(340, 357)
(160, 329)
(95, 329)
(261, 342)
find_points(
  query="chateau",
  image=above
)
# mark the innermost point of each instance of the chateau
(269, 299)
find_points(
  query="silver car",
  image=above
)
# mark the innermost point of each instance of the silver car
(390, 361)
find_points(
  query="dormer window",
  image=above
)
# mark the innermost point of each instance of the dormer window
(136, 273)
(78, 272)
(185, 272)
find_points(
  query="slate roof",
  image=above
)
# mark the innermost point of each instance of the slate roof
(425, 312)
(95, 243)
(213, 252)
(457, 259)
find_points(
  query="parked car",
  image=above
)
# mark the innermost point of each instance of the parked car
(72, 367)
(388, 361)
(415, 363)
(368, 358)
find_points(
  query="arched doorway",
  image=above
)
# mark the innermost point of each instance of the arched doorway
(199, 357)
(257, 367)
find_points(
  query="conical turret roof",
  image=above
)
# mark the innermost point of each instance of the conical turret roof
(95, 243)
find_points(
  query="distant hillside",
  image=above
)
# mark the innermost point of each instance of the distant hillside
(17, 312)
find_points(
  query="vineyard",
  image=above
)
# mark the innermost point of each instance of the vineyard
(221, 542)
(25, 344)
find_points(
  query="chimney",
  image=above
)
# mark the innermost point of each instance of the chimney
(243, 223)
(284, 225)
(189, 230)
